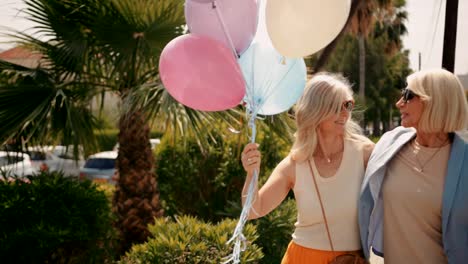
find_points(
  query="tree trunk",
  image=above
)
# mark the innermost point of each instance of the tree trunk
(385, 125)
(362, 69)
(136, 199)
(376, 131)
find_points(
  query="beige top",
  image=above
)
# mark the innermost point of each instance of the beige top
(339, 194)
(413, 205)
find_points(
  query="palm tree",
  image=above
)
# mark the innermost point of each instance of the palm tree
(94, 47)
(362, 25)
(90, 48)
(391, 25)
(328, 50)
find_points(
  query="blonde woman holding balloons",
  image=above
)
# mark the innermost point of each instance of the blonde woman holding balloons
(324, 168)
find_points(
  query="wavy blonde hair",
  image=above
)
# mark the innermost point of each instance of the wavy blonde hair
(323, 97)
(445, 105)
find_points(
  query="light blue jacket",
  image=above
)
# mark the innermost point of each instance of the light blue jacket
(455, 196)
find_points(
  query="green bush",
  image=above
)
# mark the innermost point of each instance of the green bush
(106, 138)
(191, 241)
(208, 185)
(49, 218)
(275, 230)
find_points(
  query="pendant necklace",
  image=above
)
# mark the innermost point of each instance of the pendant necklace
(421, 166)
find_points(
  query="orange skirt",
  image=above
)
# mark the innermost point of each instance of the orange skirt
(296, 254)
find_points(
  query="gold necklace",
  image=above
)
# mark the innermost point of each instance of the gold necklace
(421, 167)
(331, 157)
(323, 155)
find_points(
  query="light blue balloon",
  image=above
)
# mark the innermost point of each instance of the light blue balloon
(274, 83)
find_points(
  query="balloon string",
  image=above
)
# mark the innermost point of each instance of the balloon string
(254, 105)
(238, 238)
(225, 30)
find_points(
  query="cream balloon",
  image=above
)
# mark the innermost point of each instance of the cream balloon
(298, 28)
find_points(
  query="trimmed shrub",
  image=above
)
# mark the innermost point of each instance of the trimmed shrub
(108, 190)
(193, 183)
(49, 218)
(191, 241)
(275, 230)
(209, 185)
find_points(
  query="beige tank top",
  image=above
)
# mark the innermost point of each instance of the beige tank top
(340, 194)
(413, 205)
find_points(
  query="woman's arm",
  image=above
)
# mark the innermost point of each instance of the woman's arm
(274, 190)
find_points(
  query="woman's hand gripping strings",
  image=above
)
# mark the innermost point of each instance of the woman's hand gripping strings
(251, 159)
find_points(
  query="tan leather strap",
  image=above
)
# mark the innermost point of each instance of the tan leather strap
(321, 206)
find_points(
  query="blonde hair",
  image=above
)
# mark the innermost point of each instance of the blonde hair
(445, 105)
(323, 96)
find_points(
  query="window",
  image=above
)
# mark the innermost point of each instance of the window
(37, 155)
(8, 160)
(100, 163)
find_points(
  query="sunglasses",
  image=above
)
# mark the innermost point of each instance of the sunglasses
(407, 95)
(348, 105)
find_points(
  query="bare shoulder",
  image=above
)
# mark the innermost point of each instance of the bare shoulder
(367, 149)
(363, 142)
(287, 168)
(366, 145)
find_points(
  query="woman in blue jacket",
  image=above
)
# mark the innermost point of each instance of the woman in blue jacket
(414, 199)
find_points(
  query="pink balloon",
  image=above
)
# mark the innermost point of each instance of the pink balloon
(201, 73)
(239, 17)
(203, 1)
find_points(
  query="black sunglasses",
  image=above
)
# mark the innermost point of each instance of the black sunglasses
(348, 105)
(407, 95)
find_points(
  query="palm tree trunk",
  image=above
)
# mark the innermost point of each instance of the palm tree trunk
(136, 199)
(362, 69)
(376, 131)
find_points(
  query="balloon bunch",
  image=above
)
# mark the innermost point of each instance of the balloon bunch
(245, 51)
(200, 69)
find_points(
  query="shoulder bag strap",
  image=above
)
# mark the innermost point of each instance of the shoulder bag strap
(321, 207)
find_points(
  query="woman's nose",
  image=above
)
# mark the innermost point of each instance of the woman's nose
(400, 103)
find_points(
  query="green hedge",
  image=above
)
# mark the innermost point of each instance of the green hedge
(191, 241)
(49, 218)
(275, 230)
(208, 185)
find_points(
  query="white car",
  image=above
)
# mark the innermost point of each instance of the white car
(16, 163)
(100, 167)
(55, 158)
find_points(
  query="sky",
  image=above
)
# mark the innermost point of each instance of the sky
(425, 26)
(426, 19)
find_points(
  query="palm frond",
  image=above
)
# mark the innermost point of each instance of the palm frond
(38, 110)
(144, 28)
(176, 119)
(179, 120)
